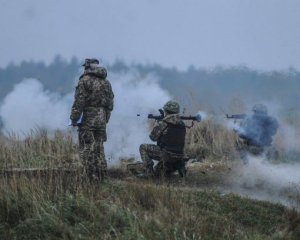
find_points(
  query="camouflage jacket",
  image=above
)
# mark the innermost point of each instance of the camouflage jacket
(93, 100)
(258, 129)
(161, 127)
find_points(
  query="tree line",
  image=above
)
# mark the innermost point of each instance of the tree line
(214, 85)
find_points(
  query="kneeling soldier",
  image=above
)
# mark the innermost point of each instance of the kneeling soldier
(169, 133)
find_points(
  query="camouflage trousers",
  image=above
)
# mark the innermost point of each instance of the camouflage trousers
(91, 151)
(245, 149)
(150, 152)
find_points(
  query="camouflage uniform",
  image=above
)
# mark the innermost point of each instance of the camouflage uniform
(150, 152)
(256, 132)
(94, 103)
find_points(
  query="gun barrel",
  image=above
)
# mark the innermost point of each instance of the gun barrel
(193, 118)
(236, 116)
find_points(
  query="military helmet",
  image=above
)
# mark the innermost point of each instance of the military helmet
(171, 107)
(260, 108)
(89, 61)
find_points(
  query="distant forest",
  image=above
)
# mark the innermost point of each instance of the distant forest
(217, 86)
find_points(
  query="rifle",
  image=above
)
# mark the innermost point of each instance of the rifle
(236, 116)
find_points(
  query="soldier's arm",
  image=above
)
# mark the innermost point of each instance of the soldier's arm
(157, 131)
(110, 106)
(111, 97)
(79, 101)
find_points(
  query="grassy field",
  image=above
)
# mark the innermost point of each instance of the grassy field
(59, 204)
(62, 207)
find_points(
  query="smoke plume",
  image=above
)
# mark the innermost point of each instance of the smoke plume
(261, 179)
(133, 95)
(30, 106)
(275, 174)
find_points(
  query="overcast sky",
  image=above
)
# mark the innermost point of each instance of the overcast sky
(263, 34)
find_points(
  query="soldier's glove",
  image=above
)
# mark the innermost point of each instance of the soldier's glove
(74, 123)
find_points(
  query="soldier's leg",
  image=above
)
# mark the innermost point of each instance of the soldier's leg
(81, 146)
(241, 147)
(148, 153)
(101, 161)
(86, 148)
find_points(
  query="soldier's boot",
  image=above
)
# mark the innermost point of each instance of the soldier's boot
(103, 175)
(93, 173)
(148, 171)
(182, 171)
(103, 169)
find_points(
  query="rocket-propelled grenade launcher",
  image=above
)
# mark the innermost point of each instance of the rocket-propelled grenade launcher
(160, 117)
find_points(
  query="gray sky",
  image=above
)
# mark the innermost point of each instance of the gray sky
(264, 34)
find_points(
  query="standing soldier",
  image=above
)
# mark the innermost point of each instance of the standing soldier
(91, 112)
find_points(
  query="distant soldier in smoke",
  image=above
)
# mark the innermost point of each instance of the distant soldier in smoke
(91, 112)
(256, 131)
(169, 133)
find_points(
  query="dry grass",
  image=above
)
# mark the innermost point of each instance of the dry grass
(61, 205)
(67, 209)
(38, 150)
(211, 141)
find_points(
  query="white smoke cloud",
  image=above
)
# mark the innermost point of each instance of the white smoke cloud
(126, 131)
(287, 134)
(261, 179)
(203, 114)
(30, 106)
(258, 170)
(287, 138)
